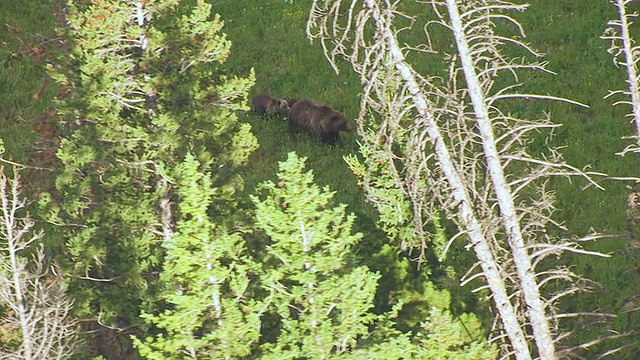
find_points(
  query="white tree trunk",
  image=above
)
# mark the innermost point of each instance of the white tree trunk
(619, 31)
(448, 147)
(630, 61)
(526, 274)
(38, 306)
(12, 235)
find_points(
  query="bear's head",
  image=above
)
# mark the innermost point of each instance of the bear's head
(283, 106)
(339, 122)
(290, 102)
(277, 106)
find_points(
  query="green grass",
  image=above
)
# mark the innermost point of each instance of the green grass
(20, 76)
(269, 36)
(569, 32)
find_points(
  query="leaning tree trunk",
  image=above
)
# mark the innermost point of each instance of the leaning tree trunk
(504, 196)
(626, 54)
(472, 225)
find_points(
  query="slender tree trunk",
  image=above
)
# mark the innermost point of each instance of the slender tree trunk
(522, 260)
(9, 207)
(37, 310)
(630, 63)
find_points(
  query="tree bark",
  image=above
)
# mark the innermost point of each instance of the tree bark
(526, 274)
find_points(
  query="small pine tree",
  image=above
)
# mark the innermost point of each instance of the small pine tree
(323, 301)
(220, 304)
(205, 277)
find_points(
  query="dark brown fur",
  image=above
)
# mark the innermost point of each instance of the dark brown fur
(266, 105)
(320, 120)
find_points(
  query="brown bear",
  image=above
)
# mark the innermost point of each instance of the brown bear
(320, 120)
(264, 104)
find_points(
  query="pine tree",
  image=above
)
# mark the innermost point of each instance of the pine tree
(315, 301)
(307, 298)
(204, 279)
(142, 85)
(323, 300)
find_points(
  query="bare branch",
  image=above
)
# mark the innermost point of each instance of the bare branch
(623, 45)
(39, 309)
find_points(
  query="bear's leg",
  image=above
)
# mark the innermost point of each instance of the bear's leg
(330, 138)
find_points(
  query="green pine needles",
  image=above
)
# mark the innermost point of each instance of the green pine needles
(205, 277)
(307, 298)
(143, 85)
(324, 300)
(155, 242)
(321, 299)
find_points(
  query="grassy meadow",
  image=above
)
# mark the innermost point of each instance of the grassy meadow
(22, 77)
(269, 36)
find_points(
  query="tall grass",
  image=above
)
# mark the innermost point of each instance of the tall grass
(269, 36)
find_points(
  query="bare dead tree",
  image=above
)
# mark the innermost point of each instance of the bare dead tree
(446, 145)
(625, 54)
(36, 318)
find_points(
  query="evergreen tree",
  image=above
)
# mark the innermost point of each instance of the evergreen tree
(141, 86)
(324, 301)
(205, 278)
(315, 302)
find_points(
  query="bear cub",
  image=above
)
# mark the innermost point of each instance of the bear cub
(264, 104)
(319, 120)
